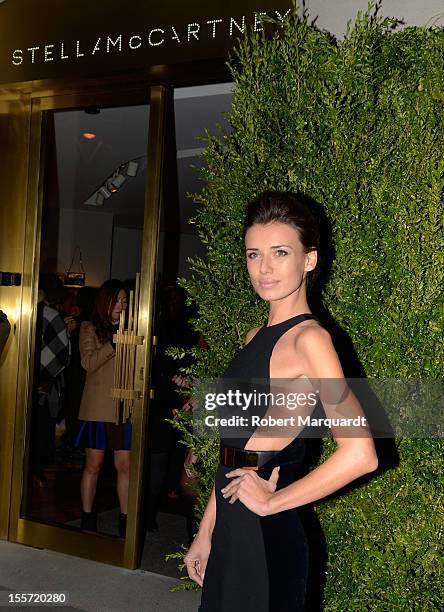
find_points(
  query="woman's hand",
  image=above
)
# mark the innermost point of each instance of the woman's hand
(186, 407)
(190, 458)
(180, 381)
(197, 557)
(252, 490)
(71, 325)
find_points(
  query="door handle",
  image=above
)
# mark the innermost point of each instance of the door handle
(127, 340)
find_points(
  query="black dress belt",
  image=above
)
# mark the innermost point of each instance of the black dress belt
(233, 457)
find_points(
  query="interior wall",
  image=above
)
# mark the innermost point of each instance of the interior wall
(189, 246)
(107, 251)
(92, 232)
(126, 253)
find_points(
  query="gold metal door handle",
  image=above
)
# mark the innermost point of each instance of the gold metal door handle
(127, 340)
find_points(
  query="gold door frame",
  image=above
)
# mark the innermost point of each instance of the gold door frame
(15, 112)
(27, 154)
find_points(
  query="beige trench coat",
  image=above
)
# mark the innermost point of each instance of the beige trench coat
(98, 361)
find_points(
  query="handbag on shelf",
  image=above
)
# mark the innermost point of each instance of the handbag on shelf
(75, 279)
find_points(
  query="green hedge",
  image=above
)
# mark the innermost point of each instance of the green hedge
(358, 125)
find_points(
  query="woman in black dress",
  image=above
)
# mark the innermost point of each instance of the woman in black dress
(250, 553)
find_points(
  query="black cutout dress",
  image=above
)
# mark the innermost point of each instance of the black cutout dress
(257, 564)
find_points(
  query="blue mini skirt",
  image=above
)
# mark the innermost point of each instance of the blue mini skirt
(101, 435)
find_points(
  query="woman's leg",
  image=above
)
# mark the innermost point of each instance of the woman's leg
(122, 463)
(88, 484)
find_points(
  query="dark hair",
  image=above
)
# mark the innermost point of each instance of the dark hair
(52, 287)
(297, 210)
(105, 301)
(86, 297)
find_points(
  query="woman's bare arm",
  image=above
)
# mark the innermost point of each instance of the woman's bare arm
(209, 518)
(355, 455)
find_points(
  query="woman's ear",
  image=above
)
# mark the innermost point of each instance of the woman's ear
(311, 260)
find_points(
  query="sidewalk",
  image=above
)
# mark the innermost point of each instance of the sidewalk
(90, 586)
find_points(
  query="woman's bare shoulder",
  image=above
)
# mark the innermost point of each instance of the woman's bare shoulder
(315, 345)
(251, 334)
(313, 334)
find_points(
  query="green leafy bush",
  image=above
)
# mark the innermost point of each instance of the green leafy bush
(358, 125)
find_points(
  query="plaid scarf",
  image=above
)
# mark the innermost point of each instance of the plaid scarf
(55, 347)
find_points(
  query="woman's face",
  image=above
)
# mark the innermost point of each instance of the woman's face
(119, 305)
(276, 260)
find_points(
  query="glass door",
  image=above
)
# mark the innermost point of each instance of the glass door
(78, 480)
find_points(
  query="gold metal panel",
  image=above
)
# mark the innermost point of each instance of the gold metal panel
(31, 250)
(88, 545)
(153, 200)
(14, 139)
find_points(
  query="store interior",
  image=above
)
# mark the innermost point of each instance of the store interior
(93, 214)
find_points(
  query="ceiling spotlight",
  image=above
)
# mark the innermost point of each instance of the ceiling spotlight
(97, 199)
(117, 181)
(105, 193)
(89, 136)
(132, 167)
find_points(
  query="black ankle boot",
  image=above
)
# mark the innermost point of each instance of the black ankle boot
(88, 522)
(122, 525)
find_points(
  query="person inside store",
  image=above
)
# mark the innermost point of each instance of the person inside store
(75, 375)
(52, 356)
(164, 452)
(250, 553)
(100, 417)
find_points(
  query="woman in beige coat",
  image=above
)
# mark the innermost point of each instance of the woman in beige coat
(101, 425)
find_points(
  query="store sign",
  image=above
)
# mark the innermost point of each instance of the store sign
(51, 38)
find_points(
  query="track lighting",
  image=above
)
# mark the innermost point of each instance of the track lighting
(99, 200)
(117, 181)
(124, 173)
(104, 192)
(131, 169)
